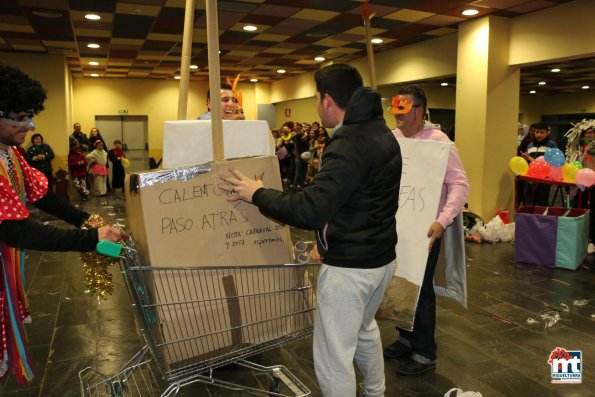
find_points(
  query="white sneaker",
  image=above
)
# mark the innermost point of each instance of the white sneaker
(591, 248)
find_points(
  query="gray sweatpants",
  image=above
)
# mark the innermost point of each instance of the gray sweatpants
(345, 328)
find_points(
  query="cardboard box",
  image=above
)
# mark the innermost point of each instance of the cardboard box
(179, 218)
(213, 313)
(189, 142)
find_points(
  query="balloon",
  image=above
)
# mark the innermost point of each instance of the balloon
(569, 172)
(518, 165)
(577, 164)
(539, 169)
(585, 177)
(540, 158)
(554, 157)
(125, 162)
(555, 174)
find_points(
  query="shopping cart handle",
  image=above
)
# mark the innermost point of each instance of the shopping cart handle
(105, 247)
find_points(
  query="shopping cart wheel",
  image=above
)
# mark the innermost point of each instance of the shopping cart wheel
(275, 386)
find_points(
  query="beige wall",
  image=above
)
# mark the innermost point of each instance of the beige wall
(564, 31)
(157, 99)
(428, 59)
(302, 110)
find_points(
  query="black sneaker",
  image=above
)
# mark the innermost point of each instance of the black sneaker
(410, 367)
(397, 350)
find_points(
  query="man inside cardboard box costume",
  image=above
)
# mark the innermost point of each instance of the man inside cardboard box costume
(20, 99)
(351, 202)
(229, 104)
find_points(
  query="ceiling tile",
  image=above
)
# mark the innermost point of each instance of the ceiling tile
(442, 20)
(316, 15)
(275, 10)
(409, 15)
(441, 31)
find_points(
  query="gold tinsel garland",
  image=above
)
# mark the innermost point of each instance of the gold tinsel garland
(95, 266)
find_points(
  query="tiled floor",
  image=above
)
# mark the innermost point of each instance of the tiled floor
(490, 347)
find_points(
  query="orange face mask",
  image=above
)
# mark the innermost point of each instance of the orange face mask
(401, 105)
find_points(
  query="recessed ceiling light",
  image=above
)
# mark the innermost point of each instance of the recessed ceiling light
(541, 83)
(254, 80)
(470, 12)
(532, 92)
(93, 17)
(193, 66)
(319, 59)
(444, 84)
(585, 87)
(376, 41)
(94, 75)
(281, 71)
(250, 28)
(555, 70)
(94, 63)
(93, 45)
(177, 77)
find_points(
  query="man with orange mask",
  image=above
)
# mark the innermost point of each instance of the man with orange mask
(416, 350)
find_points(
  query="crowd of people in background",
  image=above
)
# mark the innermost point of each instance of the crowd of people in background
(88, 163)
(299, 147)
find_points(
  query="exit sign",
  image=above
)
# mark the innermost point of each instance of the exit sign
(122, 111)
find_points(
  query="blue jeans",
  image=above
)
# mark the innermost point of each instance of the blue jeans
(421, 339)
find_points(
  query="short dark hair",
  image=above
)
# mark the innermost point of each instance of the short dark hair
(35, 136)
(117, 141)
(541, 126)
(339, 81)
(224, 86)
(19, 92)
(418, 94)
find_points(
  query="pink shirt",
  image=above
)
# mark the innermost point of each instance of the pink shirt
(456, 187)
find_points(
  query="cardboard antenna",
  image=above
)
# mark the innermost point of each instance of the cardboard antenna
(214, 78)
(214, 75)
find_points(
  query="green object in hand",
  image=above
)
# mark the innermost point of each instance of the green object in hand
(105, 247)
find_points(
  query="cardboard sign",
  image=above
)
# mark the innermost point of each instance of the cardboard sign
(180, 218)
(424, 167)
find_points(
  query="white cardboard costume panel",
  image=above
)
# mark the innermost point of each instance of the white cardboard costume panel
(424, 167)
(189, 142)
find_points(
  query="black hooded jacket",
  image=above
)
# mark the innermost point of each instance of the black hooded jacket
(353, 198)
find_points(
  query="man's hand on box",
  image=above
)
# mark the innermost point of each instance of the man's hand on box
(239, 186)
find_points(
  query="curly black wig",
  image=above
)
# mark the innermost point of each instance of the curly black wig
(19, 92)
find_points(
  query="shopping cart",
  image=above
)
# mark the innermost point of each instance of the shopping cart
(198, 319)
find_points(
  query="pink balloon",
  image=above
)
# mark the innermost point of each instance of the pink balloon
(539, 169)
(585, 177)
(555, 174)
(540, 158)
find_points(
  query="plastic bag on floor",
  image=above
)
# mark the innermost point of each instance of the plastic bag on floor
(496, 230)
(461, 393)
(489, 232)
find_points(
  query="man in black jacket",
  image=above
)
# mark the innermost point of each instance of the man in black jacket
(20, 99)
(351, 202)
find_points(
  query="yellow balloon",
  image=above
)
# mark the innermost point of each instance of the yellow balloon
(125, 162)
(519, 165)
(569, 172)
